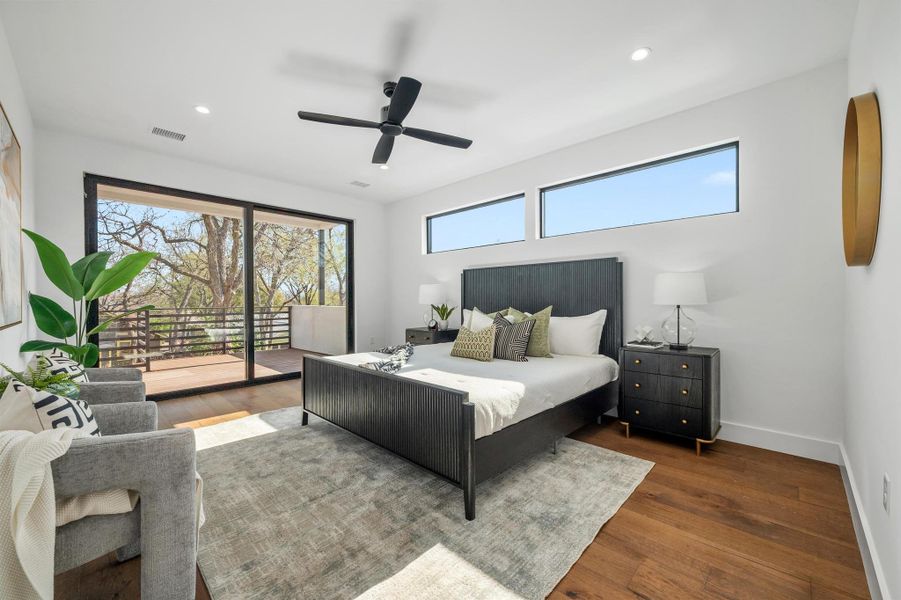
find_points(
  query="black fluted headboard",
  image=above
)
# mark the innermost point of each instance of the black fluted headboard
(574, 288)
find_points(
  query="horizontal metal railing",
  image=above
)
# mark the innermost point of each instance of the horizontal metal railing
(167, 333)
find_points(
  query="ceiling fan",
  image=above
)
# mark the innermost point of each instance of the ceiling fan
(403, 95)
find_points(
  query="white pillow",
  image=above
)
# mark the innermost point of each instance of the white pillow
(24, 408)
(577, 335)
(59, 362)
(479, 321)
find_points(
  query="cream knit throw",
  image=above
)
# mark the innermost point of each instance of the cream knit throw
(28, 511)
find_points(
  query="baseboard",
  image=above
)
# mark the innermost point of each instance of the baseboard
(781, 441)
(871, 564)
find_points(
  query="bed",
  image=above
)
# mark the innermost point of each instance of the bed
(431, 421)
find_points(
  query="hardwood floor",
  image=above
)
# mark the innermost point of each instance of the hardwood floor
(737, 522)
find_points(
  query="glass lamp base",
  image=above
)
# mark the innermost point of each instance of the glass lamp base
(678, 330)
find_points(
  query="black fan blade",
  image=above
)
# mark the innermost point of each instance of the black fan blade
(383, 150)
(333, 120)
(402, 100)
(437, 138)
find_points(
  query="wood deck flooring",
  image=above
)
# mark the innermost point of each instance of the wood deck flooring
(736, 523)
(175, 374)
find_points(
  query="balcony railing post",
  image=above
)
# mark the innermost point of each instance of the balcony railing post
(147, 340)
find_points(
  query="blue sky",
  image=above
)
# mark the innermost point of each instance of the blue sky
(699, 185)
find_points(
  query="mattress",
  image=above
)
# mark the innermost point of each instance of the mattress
(503, 392)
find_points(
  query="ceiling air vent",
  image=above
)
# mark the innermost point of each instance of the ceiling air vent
(166, 133)
(361, 184)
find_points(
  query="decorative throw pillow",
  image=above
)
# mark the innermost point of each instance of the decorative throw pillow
(27, 409)
(478, 320)
(478, 345)
(512, 339)
(539, 342)
(577, 335)
(59, 362)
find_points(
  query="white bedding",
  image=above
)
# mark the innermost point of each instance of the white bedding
(504, 392)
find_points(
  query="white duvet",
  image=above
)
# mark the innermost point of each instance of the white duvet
(503, 392)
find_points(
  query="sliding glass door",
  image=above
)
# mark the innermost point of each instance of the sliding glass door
(230, 307)
(300, 289)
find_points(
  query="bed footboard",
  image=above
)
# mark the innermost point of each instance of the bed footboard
(430, 425)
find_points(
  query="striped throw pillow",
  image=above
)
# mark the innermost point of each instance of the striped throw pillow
(511, 340)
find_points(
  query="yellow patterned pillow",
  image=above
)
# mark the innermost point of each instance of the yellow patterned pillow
(478, 345)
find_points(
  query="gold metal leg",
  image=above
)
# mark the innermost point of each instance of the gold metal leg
(699, 441)
(627, 428)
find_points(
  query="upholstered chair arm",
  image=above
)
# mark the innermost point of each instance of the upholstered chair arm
(114, 374)
(160, 466)
(112, 392)
(128, 417)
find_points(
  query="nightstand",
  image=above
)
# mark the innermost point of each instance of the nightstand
(423, 335)
(676, 392)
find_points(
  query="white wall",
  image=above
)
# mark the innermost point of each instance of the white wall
(63, 159)
(319, 328)
(872, 429)
(774, 270)
(16, 108)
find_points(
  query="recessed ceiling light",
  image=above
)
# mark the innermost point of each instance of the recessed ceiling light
(641, 54)
(384, 167)
(202, 109)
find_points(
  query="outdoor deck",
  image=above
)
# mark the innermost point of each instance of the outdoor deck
(175, 374)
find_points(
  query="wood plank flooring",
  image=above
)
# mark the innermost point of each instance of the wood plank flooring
(737, 523)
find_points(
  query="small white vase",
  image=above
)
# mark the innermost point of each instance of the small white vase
(442, 324)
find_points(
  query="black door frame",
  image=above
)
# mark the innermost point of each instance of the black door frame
(91, 181)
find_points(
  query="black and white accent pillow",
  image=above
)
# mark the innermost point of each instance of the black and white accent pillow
(59, 362)
(511, 340)
(47, 411)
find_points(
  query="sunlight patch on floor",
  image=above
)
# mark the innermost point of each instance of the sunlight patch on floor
(241, 427)
(439, 574)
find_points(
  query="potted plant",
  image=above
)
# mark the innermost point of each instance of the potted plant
(444, 312)
(85, 281)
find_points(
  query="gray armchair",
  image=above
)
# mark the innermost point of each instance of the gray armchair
(113, 385)
(160, 466)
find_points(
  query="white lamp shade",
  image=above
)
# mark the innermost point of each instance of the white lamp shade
(431, 293)
(680, 288)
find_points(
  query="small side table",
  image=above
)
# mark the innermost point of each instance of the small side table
(420, 336)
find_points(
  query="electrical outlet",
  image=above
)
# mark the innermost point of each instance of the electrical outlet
(886, 492)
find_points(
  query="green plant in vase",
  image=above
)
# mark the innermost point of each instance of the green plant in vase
(443, 312)
(85, 281)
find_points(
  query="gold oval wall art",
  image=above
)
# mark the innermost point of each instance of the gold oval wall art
(861, 179)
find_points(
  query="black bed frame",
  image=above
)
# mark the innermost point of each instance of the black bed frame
(434, 426)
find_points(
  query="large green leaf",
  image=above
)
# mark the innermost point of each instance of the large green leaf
(56, 266)
(40, 345)
(89, 355)
(51, 318)
(108, 322)
(88, 268)
(119, 274)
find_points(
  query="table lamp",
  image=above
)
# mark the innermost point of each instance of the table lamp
(431, 293)
(679, 289)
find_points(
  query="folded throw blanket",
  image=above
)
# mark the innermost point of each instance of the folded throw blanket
(28, 511)
(399, 357)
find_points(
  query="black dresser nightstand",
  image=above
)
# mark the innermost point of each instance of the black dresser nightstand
(671, 391)
(423, 335)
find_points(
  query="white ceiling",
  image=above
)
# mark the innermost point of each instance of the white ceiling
(520, 78)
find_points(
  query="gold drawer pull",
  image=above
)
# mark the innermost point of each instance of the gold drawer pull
(637, 386)
(637, 361)
(684, 365)
(684, 392)
(637, 412)
(684, 422)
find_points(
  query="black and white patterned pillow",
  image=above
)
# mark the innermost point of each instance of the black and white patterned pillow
(52, 411)
(511, 340)
(59, 362)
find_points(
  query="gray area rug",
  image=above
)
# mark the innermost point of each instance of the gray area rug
(315, 512)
